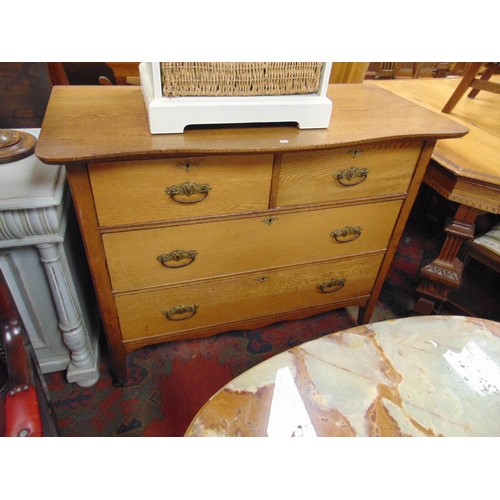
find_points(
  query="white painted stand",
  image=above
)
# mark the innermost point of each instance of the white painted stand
(170, 115)
(42, 270)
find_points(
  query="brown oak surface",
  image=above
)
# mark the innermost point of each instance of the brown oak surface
(108, 122)
(238, 184)
(242, 245)
(85, 128)
(245, 297)
(307, 177)
(475, 156)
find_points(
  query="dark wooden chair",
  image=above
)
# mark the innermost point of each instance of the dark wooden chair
(470, 80)
(25, 87)
(89, 73)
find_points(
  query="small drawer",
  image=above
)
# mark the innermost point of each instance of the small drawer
(183, 308)
(135, 192)
(154, 257)
(346, 173)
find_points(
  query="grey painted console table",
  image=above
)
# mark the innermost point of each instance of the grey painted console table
(46, 270)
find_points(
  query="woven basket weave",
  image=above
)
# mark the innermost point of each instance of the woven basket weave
(182, 79)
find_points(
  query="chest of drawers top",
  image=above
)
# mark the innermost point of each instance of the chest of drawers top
(91, 124)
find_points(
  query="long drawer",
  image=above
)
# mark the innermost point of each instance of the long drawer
(168, 255)
(204, 304)
(346, 173)
(136, 191)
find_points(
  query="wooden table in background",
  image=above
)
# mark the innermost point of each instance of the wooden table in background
(465, 171)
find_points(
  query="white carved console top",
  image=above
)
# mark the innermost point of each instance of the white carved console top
(31, 204)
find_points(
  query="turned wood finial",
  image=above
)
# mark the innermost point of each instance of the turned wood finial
(15, 145)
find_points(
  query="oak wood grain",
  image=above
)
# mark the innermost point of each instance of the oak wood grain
(243, 245)
(109, 123)
(237, 184)
(244, 297)
(248, 323)
(308, 177)
(477, 154)
(251, 276)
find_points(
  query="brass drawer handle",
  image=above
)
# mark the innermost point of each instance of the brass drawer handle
(181, 310)
(349, 174)
(335, 285)
(342, 235)
(188, 189)
(177, 256)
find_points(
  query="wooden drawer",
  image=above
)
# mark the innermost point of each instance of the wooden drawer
(308, 177)
(134, 192)
(243, 297)
(241, 245)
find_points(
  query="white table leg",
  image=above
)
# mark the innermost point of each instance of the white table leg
(70, 321)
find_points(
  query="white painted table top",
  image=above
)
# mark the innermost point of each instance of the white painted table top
(419, 376)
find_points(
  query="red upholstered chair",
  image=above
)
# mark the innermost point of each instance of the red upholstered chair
(28, 412)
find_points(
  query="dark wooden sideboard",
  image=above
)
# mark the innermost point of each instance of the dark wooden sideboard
(223, 228)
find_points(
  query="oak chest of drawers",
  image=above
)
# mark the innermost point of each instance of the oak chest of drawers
(218, 229)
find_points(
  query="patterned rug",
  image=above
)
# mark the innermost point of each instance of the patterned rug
(169, 383)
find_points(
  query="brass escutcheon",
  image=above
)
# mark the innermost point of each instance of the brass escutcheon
(180, 310)
(188, 189)
(349, 174)
(340, 235)
(335, 284)
(262, 279)
(177, 256)
(355, 152)
(187, 165)
(270, 220)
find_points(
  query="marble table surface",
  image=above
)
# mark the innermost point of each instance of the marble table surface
(419, 376)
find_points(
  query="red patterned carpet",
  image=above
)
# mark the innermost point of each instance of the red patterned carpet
(170, 382)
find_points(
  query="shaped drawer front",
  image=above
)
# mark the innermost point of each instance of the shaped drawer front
(154, 257)
(346, 173)
(182, 308)
(135, 192)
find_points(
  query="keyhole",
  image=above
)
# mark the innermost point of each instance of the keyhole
(270, 220)
(355, 152)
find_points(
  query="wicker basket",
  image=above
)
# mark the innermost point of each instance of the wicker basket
(183, 79)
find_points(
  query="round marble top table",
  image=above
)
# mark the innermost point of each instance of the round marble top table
(419, 376)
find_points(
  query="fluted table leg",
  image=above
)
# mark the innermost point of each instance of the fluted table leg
(70, 320)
